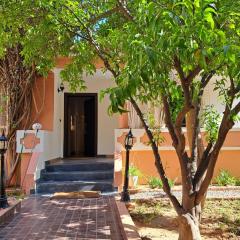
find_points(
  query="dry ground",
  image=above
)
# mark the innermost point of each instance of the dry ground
(156, 220)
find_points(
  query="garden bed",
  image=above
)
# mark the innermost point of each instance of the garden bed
(155, 219)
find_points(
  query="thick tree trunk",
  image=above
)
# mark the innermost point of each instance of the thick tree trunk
(189, 227)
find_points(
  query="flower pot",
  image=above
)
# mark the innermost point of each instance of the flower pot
(133, 181)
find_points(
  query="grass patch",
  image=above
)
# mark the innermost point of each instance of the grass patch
(225, 214)
(146, 210)
(220, 218)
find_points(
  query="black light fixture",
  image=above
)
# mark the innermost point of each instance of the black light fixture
(60, 88)
(125, 197)
(3, 149)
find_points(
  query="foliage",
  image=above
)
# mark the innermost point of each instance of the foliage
(156, 50)
(155, 182)
(156, 130)
(171, 182)
(211, 120)
(225, 178)
(237, 182)
(134, 171)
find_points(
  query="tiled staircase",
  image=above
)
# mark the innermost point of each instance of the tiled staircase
(77, 175)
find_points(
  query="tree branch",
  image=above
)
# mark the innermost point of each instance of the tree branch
(236, 109)
(203, 165)
(106, 14)
(177, 141)
(168, 121)
(225, 126)
(158, 161)
(125, 10)
(196, 127)
(193, 74)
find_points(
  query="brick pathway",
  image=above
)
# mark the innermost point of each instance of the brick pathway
(42, 218)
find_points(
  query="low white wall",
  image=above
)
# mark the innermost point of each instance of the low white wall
(44, 147)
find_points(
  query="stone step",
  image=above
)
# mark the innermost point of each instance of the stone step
(70, 186)
(77, 175)
(79, 167)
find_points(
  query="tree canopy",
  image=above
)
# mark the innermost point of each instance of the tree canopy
(157, 51)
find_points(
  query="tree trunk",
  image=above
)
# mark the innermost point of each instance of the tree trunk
(189, 227)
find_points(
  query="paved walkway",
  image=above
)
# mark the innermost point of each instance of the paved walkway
(86, 219)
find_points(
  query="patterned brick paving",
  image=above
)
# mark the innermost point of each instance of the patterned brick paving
(86, 219)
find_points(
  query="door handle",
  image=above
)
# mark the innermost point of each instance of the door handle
(72, 127)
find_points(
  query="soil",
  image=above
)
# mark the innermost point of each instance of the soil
(156, 220)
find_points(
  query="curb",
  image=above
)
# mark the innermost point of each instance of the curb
(6, 215)
(129, 230)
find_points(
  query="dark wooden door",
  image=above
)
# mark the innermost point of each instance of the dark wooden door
(80, 130)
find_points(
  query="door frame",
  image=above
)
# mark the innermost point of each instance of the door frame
(66, 97)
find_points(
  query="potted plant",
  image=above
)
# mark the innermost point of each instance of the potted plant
(134, 174)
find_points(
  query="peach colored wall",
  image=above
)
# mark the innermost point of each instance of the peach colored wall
(27, 180)
(232, 139)
(123, 120)
(144, 160)
(61, 62)
(229, 158)
(44, 102)
(44, 95)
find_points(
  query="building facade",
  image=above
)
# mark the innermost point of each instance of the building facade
(77, 125)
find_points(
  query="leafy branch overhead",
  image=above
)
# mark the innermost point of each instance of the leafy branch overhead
(168, 50)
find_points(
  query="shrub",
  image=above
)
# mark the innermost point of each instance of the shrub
(225, 178)
(237, 182)
(171, 182)
(134, 171)
(155, 182)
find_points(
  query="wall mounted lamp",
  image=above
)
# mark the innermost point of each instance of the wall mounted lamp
(61, 88)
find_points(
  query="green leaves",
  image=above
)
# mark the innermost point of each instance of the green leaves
(141, 52)
(211, 121)
(208, 17)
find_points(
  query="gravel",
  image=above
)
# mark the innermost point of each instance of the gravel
(211, 194)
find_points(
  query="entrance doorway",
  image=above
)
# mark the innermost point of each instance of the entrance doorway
(80, 125)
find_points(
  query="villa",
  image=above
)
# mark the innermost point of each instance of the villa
(77, 126)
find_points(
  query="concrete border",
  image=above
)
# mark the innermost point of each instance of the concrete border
(129, 230)
(6, 215)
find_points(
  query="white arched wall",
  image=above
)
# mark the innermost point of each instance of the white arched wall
(106, 123)
(211, 97)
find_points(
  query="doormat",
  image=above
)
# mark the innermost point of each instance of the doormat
(76, 195)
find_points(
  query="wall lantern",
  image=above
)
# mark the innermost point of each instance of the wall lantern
(61, 88)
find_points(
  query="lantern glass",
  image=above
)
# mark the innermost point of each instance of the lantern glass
(3, 142)
(129, 140)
